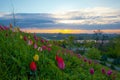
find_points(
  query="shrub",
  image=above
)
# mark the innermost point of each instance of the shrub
(93, 53)
(114, 48)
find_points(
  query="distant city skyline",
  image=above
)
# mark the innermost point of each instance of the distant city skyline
(65, 16)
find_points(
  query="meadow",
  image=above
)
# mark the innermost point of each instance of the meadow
(25, 56)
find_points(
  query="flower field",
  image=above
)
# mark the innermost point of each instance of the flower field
(25, 56)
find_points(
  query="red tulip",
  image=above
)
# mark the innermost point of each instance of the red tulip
(60, 62)
(33, 66)
(25, 38)
(56, 57)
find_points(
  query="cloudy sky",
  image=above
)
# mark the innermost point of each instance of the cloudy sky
(65, 16)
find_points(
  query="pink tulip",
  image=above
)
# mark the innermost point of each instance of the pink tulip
(30, 42)
(35, 46)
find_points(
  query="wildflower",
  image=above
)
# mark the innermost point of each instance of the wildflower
(92, 71)
(109, 72)
(49, 49)
(30, 42)
(1, 28)
(33, 66)
(49, 45)
(44, 47)
(42, 40)
(85, 60)
(60, 62)
(21, 37)
(90, 61)
(6, 28)
(78, 55)
(35, 37)
(36, 57)
(25, 38)
(35, 46)
(103, 71)
(39, 49)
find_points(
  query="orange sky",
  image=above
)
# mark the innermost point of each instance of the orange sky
(65, 31)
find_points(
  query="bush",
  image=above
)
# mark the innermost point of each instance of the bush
(114, 48)
(93, 53)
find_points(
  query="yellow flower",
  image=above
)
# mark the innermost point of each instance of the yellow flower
(36, 57)
(21, 37)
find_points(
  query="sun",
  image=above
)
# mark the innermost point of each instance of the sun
(65, 31)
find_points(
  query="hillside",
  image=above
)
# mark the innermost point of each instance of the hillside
(25, 56)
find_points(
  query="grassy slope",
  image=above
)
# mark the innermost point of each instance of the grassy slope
(16, 56)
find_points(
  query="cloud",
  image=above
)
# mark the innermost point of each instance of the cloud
(91, 16)
(87, 19)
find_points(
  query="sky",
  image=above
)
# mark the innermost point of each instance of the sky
(65, 16)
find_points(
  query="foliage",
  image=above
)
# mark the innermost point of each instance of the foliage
(93, 53)
(114, 48)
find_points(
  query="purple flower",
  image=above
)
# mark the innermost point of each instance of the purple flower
(109, 72)
(92, 71)
(103, 71)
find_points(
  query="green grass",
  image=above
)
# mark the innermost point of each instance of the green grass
(16, 56)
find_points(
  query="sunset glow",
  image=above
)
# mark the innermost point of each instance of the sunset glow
(67, 31)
